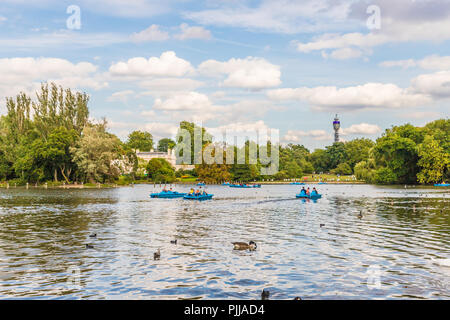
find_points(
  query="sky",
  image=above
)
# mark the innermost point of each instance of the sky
(238, 66)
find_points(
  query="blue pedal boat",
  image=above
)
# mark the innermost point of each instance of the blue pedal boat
(200, 197)
(298, 183)
(240, 186)
(168, 194)
(442, 185)
(311, 196)
(201, 184)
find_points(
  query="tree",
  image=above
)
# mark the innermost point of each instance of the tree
(191, 128)
(94, 153)
(336, 154)
(357, 150)
(159, 170)
(397, 150)
(320, 160)
(140, 140)
(165, 144)
(433, 161)
(342, 168)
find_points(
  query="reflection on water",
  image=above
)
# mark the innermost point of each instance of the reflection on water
(396, 250)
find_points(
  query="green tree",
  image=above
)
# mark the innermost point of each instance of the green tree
(140, 140)
(165, 144)
(191, 127)
(357, 150)
(397, 150)
(433, 161)
(159, 170)
(320, 160)
(94, 154)
(342, 168)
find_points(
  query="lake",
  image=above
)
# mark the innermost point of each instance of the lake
(395, 251)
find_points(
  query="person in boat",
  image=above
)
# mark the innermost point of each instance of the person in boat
(307, 192)
(191, 191)
(314, 192)
(197, 193)
(303, 191)
(170, 190)
(164, 189)
(204, 193)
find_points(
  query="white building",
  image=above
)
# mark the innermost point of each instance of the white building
(169, 156)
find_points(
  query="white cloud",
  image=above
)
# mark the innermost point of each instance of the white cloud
(120, 95)
(3, 19)
(195, 32)
(392, 31)
(361, 129)
(187, 101)
(405, 64)
(251, 72)
(433, 62)
(152, 33)
(162, 130)
(284, 16)
(343, 54)
(26, 74)
(370, 95)
(297, 135)
(165, 85)
(167, 65)
(421, 115)
(436, 84)
(66, 38)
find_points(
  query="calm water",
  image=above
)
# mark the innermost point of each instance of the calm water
(394, 251)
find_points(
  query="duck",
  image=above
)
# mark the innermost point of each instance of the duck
(173, 241)
(265, 294)
(322, 225)
(157, 255)
(245, 246)
(360, 215)
(89, 246)
(94, 235)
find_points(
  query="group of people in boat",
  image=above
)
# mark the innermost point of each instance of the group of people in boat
(197, 192)
(308, 192)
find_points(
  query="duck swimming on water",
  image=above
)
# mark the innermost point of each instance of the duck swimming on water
(245, 246)
(265, 295)
(157, 255)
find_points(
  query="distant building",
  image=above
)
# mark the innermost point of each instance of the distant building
(336, 127)
(169, 156)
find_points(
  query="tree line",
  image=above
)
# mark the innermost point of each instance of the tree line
(52, 138)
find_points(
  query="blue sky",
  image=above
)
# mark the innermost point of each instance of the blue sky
(237, 65)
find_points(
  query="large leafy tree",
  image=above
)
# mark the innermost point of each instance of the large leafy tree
(165, 144)
(434, 162)
(94, 154)
(357, 150)
(140, 140)
(182, 144)
(159, 170)
(397, 150)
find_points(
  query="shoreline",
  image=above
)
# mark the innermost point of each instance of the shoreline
(111, 186)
